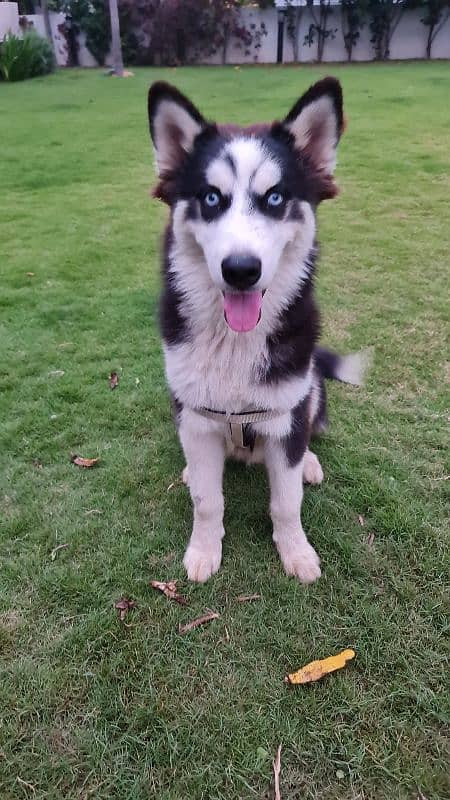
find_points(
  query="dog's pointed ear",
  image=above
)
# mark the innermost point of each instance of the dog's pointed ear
(174, 123)
(316, 122)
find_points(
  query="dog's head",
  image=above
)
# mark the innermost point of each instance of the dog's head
(245, 196)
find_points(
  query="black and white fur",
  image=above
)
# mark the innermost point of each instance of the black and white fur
(223, 186)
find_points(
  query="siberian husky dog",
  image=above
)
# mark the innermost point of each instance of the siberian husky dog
(238, 317)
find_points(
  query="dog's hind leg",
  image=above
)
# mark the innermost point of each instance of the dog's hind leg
(312, 471)
(204, 449)
(286, 494)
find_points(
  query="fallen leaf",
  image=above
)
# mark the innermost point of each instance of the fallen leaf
(93, 511)
(113, 380)
(261, 755)
(245, 598)
(83, 462)
(123, 606)
(169, 589)
(125, 74)
(317, 669)
(370, 539)
(55, 550)
(30, 274)
(36, 463)
(361, 520)
(189, 626)
(276, 774)
(56, 373)
(340, 774)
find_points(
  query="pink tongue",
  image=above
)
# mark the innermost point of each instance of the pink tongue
(242, 310)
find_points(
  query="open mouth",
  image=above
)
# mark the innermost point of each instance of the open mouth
(242, 310)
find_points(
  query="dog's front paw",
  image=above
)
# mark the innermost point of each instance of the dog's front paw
(312, 471)
(202, 560)
(299, 559)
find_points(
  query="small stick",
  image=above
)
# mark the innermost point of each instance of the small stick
(25, 783)
(245, 598)
(189, 626)
(276, 774)
(55, 550)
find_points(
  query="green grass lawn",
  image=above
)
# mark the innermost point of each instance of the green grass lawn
(90, 708)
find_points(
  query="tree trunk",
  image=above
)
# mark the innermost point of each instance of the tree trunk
(429, 40)
(295, 43)
(346, 34)
(386, 46)
(116, 47)
(226, 35)
(322, 29)
(48, 27)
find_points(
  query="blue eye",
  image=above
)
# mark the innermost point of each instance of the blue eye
(275, 199)
(212, 199)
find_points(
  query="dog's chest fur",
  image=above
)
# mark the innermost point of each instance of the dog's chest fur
(216, 371)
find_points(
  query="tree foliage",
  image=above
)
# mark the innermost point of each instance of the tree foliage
(435, 15)
(182, 31)
(318, 29)
(91, 17)
(353, 13)
(293, 15)
(384, 17)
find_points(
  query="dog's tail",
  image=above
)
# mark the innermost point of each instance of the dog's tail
(348, 369)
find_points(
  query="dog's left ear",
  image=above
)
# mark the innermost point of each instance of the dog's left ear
(316, 122)
(174, 124)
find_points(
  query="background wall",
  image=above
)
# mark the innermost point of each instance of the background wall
(408, 40)
(9, 19)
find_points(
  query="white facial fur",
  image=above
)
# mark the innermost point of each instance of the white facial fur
(243, 228)
(239, 359)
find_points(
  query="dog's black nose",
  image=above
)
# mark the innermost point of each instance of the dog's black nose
(241, 271)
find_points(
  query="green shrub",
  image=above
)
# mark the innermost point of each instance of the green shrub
(25, 57)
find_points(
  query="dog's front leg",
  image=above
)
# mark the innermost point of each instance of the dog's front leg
(286, 493)
(205, 455)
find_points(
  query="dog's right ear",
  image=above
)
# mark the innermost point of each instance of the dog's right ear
(174, 124)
